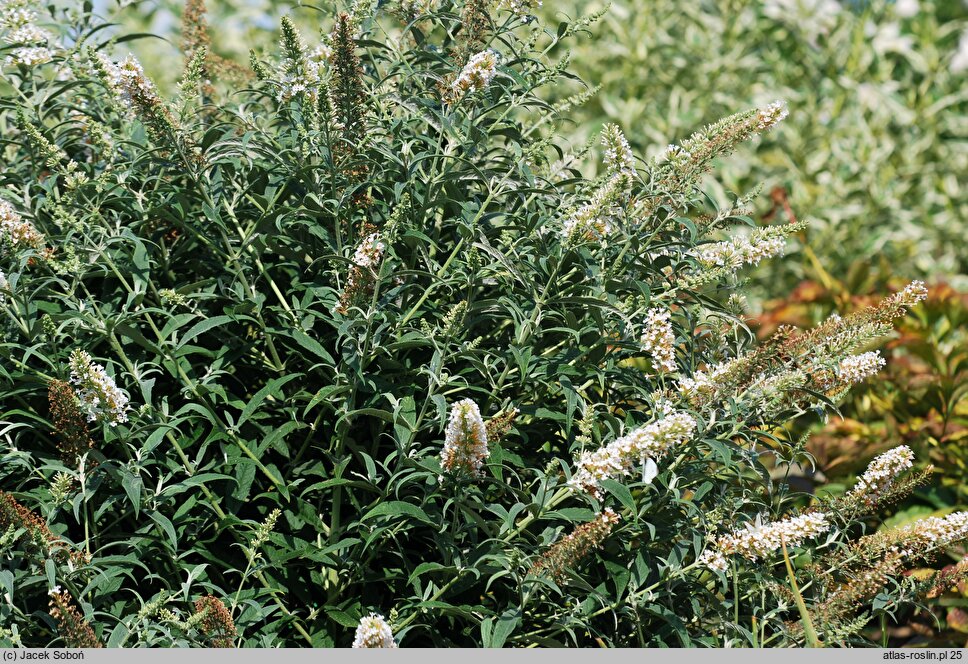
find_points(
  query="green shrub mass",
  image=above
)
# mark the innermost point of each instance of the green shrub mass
(341, 348)
(874, 149)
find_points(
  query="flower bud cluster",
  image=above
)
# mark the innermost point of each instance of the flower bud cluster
(618, 153)
(618, 458)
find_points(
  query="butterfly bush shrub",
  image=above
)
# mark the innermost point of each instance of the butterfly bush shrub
(340, 349)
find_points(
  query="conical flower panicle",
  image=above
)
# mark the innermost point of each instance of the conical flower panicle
(618, 152)
(756, 542)
(618, 458)
(659, 340)
(881, 474)
(916, 542)
(99, 396)
(374, 632)
(465, 442)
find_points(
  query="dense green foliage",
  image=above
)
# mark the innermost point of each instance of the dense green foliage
(322, 284)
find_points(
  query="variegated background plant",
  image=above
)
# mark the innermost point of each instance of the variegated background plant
(355, 341)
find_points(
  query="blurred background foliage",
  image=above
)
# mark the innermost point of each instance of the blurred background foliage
(874, 154)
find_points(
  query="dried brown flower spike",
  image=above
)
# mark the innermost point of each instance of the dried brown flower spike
(217, 623)
(71, 626)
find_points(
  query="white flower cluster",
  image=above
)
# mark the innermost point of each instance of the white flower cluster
(675, 153)
(619, 457)
(370, 251)
(27, 34)
(618, 152)
(477, 74)
(373, 632)
(127, 79)
(29, 56)
(15, 230)
(705, 382)
(18, 19)
(754, 542)
(659, 340)
(856, 368)
(465, 439)
(307, 81)
(913, 293)
(881, 473)
(771, 115)
(943, 530)
(593, 218)
(959, 62)
(588, 219)
(16, 14)
(520, 7)
(4, 285)
(734, 253)
(100, 397)
(929, 534)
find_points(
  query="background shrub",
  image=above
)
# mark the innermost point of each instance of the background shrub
(342, 348)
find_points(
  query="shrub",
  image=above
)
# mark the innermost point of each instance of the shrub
(354, 355)
(871, 153)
